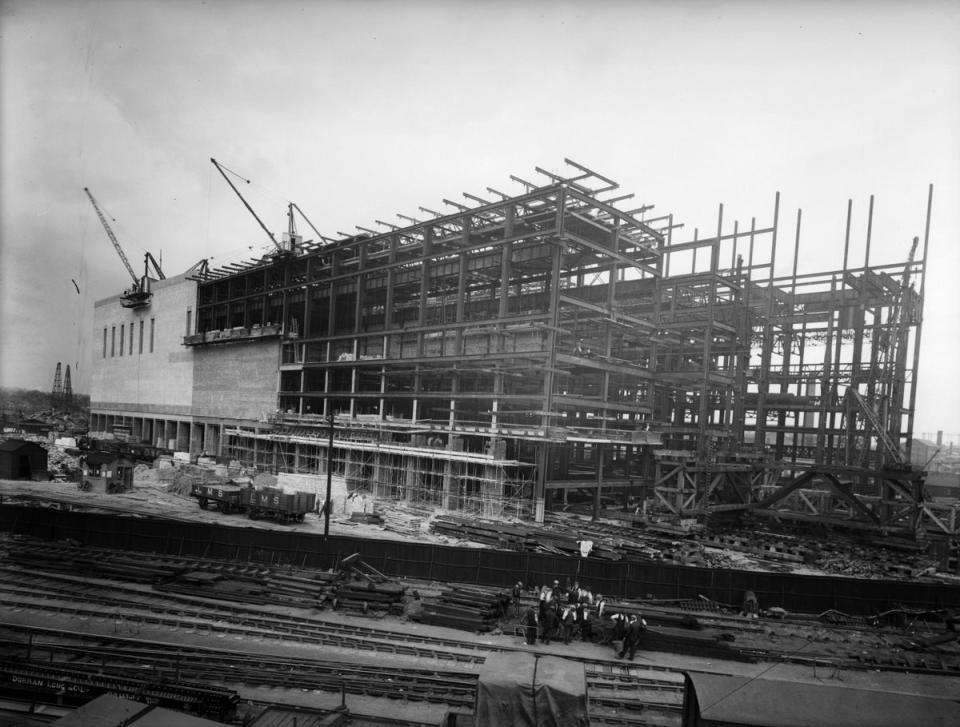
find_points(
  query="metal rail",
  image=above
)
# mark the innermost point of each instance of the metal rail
(162, 662)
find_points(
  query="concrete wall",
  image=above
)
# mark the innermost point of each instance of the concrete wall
(236, 380)
(175, 396)
(158, 381)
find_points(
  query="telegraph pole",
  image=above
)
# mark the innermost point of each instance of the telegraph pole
(326, 506)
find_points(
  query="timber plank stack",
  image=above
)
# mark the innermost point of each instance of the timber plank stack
(561, 537)
(122, 569)
(468, 608)
(500, 535)
(405, 520)
(363, 596)
(767, 548)
(612, 542)
(369, 518)
(505, 535)
(260, 590)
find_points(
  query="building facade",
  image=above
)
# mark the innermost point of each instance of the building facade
(147, 385)
(507, 356)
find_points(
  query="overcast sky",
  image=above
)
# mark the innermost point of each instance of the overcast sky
(358, 111)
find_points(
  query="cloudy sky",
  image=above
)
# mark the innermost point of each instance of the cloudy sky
(361, 110)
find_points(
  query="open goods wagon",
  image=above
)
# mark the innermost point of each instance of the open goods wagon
(272, 502)
(257, 502)
(226, 498)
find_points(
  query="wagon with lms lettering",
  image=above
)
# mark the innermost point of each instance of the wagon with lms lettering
(277, 504)
(224, 497)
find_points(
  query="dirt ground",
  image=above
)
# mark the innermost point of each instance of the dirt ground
(157, 498)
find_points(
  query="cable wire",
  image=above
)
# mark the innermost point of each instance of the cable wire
(751, 680)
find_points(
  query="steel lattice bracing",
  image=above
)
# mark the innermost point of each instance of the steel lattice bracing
(577, 346)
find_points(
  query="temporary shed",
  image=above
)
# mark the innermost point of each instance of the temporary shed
(22, 460)
(107, 471)
(714, 700)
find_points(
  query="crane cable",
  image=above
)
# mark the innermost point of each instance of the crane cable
(238, 176)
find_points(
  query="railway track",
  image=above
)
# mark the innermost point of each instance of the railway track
(76, 654)
(132, 609)
(120, 587)
(141, 607)
(619, 694)
(133, 619)
(146, 568)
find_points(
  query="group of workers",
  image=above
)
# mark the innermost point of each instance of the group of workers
(566, 613)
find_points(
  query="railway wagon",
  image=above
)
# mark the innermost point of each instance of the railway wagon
(226, 498)
(272, 502)
(78, 684)
(719, 700)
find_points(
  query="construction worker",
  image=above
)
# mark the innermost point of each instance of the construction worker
(631, 638)
(601, 604)
(751, 608)
(585, 596)
(616, 629)
(517, 591)
(530, 622)
(547, 594)
(586, 627)
(548, 625)
(568, 621)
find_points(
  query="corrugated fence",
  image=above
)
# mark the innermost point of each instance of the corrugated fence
(811, 594)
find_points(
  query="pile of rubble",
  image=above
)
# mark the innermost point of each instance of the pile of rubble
(63, 465)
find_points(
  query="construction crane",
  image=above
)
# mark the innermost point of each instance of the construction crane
(293, 226)
(139, 293)
(273, 240)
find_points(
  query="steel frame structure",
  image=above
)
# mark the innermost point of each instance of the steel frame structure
(581, 346)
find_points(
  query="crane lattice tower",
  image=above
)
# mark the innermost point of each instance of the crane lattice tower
(57, 394)
(67, 389)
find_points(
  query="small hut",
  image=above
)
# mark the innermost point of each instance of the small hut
(106, 472)
(22, 460)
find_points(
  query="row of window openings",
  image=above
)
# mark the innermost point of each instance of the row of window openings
(128, 343)
(123, 327)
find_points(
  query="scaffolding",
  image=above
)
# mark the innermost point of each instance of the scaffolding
(514, 349)
(389, 463)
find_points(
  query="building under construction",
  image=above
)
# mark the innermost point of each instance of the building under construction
(522, 350)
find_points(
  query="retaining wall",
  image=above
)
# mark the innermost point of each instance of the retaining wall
(810, 594)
